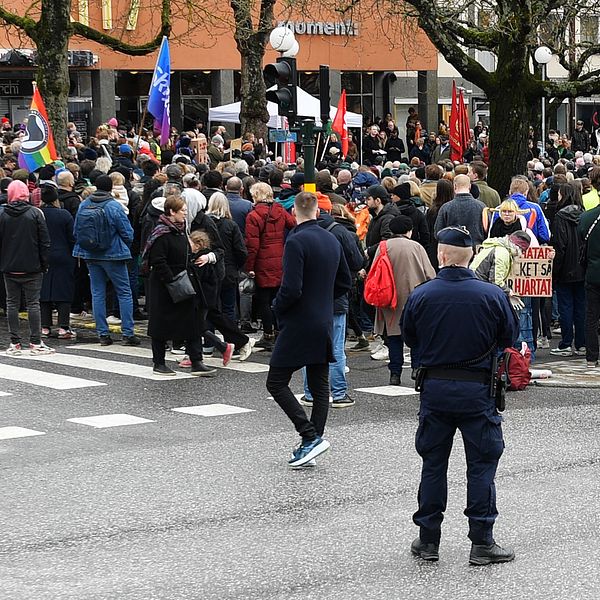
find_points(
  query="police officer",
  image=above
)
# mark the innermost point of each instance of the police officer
(456, 392)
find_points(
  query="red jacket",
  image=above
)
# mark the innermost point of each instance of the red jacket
(266, 225)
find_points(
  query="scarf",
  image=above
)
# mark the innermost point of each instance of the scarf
(163, 227)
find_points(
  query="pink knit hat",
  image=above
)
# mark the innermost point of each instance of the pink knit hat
(112, 122)
(17, 191)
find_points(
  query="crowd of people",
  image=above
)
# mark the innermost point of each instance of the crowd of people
(242, 203)
(215, 239)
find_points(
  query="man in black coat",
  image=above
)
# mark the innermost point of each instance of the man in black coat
(315, 272)
(383, 210)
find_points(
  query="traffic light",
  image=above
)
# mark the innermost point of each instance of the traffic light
(283, 73)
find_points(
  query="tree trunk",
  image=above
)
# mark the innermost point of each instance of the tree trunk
(53, 66)
(253, 112)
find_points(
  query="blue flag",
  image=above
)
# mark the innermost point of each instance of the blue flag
(160, 92)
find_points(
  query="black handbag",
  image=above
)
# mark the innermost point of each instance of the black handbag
(181, 287)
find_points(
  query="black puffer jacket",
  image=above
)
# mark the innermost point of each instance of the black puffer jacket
(233, 246)
(420, 232)
(379, 227)
(566, 242)
(24, 239)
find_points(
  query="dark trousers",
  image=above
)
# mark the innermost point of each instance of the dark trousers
(317, 376)
(482, 437)
(592, 318)
(29, 284)
(571, 310)
(83, 294)
(64, 318)
(228, 301)
(263, 299)
(192, 347)
(395, 343)
(229, 329)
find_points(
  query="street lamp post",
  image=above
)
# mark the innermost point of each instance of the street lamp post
(542, 56)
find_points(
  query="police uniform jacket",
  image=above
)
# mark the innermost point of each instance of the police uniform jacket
(453, 318)
(315, 272)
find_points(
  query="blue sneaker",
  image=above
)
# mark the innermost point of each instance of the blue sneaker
(308, 450)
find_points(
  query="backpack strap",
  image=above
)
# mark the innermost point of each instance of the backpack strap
(331, 226)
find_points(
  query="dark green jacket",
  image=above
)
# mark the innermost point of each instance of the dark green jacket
(592, 273)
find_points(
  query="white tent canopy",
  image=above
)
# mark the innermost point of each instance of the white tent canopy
(308, 106)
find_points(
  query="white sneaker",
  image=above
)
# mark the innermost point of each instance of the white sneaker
(562, 352)
(41, 348)
(579, 351)
(112, 320)
(543, 343)
(14, 350)
(178, 351)
(381, 354)
(246, 349)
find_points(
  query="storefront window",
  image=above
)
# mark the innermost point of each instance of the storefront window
(359, 93)
(351, 82)
(196, 83)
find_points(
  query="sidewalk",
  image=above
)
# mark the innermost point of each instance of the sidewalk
(566, 371)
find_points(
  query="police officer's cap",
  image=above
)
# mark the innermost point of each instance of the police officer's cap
(455, 236)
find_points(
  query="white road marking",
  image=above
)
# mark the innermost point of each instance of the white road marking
(43, 379)
(10, 433)
(5, 394)
(388, 390)
(212, 410)
(100, 364)
(243, 367)
(115, 420)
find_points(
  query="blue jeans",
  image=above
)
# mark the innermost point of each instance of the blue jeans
(116, 271)
(571, 309)
(395, 343)
(337, 369)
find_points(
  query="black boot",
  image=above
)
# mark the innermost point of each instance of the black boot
(201, 370)
(425, 551)
(487, 555)
(395, 379)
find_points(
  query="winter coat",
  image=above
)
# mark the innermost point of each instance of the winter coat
(314, 274)
(370, 149)
(592, 273)
(420, 232)
(411, 268)
(493, 263)
(234, 248)
(58, 284)
(539, 226)
(463, 210)
(149, 219)
(266, 227)
(169, 256)
(121, 230)
(353, 254)
(69, 200)
(566, 242)
(428, 191)
(379, 227)
(24, 239)
(395, 149)
(440, 153)
(489, 196)
(239, 208)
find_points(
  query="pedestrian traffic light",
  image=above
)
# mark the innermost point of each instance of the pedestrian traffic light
(283, 73)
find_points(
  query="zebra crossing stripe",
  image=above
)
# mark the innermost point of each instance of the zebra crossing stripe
(136, 352)
(114, 420)
(44, 379)
(388, 390)
(101, 364)
(10, 433)
(212, 410)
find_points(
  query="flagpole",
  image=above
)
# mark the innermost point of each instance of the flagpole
(137, 141)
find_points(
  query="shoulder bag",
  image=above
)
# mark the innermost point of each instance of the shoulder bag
(181, 288)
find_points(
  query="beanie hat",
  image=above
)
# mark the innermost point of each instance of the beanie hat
(125, 149)
(90, 154)
(323, 202)
(297, 180)
(112, 122)
(401, 225)
(47, 172)
(104, 183)
(17, 191)
(402, 191)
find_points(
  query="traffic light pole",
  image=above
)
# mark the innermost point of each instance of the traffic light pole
(308, 148)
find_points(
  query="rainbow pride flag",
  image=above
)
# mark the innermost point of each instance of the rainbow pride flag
(37, 146)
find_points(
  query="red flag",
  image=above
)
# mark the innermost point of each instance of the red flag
(339, 123)
(456, 149)
(464, 123)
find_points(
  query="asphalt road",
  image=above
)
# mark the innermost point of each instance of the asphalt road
(183, 506)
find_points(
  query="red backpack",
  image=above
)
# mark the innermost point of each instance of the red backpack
(516, 367)
(380, 287)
